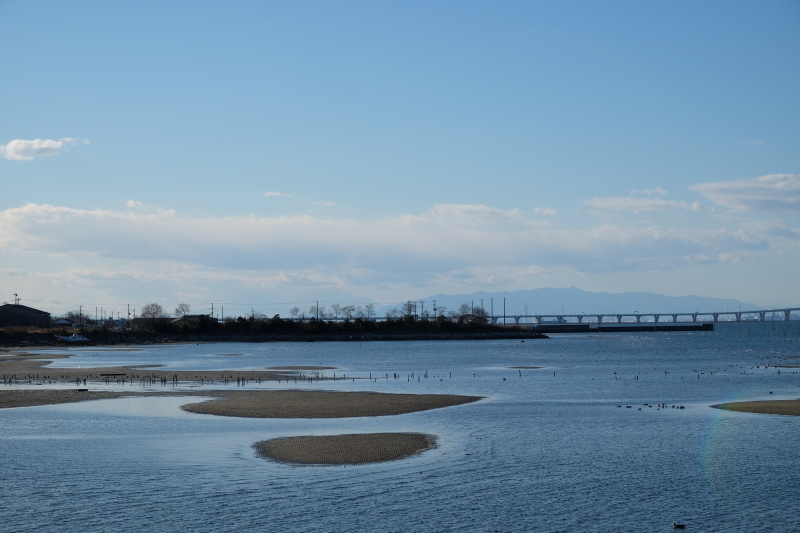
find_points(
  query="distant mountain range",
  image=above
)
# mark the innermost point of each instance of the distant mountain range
(574, 301)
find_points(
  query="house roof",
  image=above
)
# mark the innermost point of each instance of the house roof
(23, 308)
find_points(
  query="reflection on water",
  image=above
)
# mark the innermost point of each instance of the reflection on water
(548, 449)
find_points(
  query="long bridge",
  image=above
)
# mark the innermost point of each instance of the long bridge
(636, 317)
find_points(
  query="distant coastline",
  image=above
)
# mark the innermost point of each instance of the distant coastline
(19, 339)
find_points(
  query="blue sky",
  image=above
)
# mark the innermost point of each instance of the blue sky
(262, 153)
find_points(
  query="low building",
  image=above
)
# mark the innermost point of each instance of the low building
(22, 315)
(194, 319)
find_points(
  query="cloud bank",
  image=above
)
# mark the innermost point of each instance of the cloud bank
(456, 246)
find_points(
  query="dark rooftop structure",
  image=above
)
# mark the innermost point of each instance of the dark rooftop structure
(22, 315)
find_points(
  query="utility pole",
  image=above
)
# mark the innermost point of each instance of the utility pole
(80, 314)
(504, 310)
(434, 309)
(492, 301)
(422, 308)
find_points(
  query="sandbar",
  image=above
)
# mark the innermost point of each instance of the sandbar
(257, 403)
(302, 367)
(769, 407)
(353, 449)
(26, 366)
(35, 397)
(321, 404)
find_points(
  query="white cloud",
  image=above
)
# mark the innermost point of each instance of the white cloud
(277, 194)
(658, 191)
(546, 211)
(24, 150)
(774, 193)
(642, 205)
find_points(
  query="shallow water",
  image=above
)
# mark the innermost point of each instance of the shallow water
(547, 449)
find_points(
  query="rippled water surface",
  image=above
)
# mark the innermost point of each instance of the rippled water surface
(548, 449)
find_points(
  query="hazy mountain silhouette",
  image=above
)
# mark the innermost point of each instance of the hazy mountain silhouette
(574, 301)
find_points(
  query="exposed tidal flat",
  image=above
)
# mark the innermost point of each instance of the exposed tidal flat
(546, 448)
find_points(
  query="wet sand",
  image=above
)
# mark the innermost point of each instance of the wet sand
(257, 403)
(302, 367)
(321, 404)
(32, 398)
(769, 407)
(24, 366)
(354, 449)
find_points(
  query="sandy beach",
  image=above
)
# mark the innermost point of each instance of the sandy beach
(353, 449)
(768, 407)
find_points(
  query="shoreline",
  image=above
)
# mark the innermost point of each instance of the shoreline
(29, 340)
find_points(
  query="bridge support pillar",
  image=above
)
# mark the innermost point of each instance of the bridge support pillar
(738, 317)
(656, 317)
(619, 319)
(716, 316)
(694, 317)
(599, 319)
(516, 320)
(674, 318)
(787, 315)
(762, 316)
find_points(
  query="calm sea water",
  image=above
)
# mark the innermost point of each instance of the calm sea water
(547, 450)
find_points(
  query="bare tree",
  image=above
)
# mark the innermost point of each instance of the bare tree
(182, 310)
(294, 311)
(152, 310)
(481, 312)
(348, 311)
(336, 309)
(464, 309)
(370, 310)
(318, 311)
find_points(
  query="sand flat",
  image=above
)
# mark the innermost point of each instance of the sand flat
(302, 367)
(257, 403)
(769, 407)
(321, 404)
(352, 449)
(32, 398)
